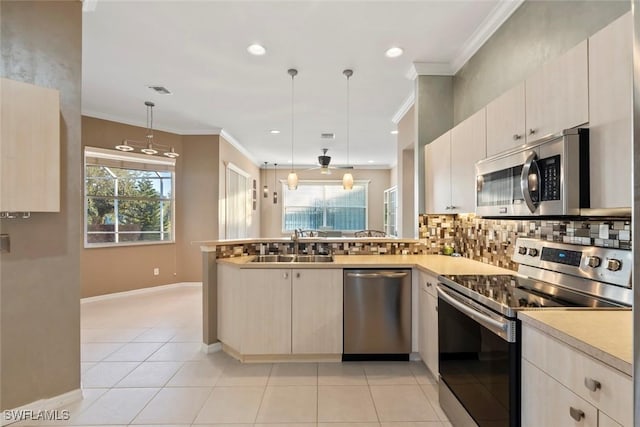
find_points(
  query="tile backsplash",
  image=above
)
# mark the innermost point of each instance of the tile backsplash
(492, 240)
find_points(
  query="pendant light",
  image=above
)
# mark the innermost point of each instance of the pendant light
(275, 183)
(347, 178)
(292, 179)
(149, 147)
(265, 188)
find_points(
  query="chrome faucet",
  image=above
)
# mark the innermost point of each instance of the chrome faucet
(295, 236)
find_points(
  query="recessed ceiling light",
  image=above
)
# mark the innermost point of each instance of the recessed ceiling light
(394, 132)
(370, 161)
(394, 52)
(256, 49)
(274, 131)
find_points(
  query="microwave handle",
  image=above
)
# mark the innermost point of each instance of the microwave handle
(524, 182)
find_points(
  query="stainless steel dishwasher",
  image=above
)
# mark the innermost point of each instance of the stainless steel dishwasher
(377, 314)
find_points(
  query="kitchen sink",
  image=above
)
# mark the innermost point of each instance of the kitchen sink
(274, 258)
(314, 258)
(293, 258)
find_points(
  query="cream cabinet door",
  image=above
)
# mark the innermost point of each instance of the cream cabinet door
(437, 168)
(605, 421)
(546, 402)
(557, 96)
(431, 349)
(468, 145)
(230, 305)
(610, 109)
(267, 324)
(29, 148)
(506, 126)
(317, 311)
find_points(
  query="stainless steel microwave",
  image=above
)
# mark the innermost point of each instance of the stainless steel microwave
(547, 177)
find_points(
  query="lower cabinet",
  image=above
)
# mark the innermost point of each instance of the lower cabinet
(267, 327)
(280, 311)
(316, 312)
(428, 322)
(562, 386)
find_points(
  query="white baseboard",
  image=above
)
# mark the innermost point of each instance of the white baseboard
(212, 348)
(50, 404)
(151, 289)
(414, 357)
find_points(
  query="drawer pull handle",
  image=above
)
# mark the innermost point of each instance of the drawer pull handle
(592, 384)
(576, 414)
(429, 284)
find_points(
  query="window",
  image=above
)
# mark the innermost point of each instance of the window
(325, 205)
(129, 198)
(238, 203)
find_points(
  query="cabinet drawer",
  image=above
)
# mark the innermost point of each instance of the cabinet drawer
(428, 283)
(546, 402)
(572, 368)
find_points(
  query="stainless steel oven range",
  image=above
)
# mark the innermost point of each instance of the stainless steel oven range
(479, 331)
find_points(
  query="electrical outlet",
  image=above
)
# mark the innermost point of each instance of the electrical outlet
(156, 271)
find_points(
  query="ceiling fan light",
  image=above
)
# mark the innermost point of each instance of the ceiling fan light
(347, 181)
(292, 181)
(124, 146)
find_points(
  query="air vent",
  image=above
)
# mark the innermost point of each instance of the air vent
(327, 135)
(160, 90)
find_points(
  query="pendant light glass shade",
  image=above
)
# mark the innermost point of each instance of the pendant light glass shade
(347, 181)
(149, 150)
(347, 178)
(292, 179)
(124, 146)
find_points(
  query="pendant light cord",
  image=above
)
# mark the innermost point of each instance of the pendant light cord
(292, 128)
(348, 78)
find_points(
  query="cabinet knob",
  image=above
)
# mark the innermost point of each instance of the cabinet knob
(516, 136)
(576, 414)
(297, 275)
(429, 284)
(592, 384)
(614, 264)
(285, 275)
(532, 131)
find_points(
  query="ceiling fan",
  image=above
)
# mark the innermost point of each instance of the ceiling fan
(324, 162)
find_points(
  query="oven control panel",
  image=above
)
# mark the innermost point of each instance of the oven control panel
(590, 262)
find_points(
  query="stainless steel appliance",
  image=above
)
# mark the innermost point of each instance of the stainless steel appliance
(548, 177)
(479, 331)
(377, 314)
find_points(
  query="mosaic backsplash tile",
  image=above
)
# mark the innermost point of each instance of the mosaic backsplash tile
(492, 240)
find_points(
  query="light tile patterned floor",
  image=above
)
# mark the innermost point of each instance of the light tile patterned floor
(142, 365)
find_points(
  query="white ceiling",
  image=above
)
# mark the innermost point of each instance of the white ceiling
(198, 51)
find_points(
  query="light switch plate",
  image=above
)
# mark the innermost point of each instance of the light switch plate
(5, 243)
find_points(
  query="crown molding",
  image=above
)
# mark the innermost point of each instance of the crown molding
(238, 146)
(429, 69)
(406, 106)
(500, 13)
(117, 119)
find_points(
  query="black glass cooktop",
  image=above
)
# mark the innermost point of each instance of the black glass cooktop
(510, 293)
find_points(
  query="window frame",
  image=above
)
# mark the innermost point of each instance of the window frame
(129, 159)
(363, 182)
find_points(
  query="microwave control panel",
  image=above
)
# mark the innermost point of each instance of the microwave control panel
(550, 176)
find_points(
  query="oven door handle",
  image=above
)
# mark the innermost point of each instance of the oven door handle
(475, 315)
(524, 182)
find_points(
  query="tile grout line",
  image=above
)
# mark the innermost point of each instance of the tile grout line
(264, 391)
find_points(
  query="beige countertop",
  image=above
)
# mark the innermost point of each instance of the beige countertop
(605, 335)
(434, 264)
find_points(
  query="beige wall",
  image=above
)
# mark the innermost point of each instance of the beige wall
(271, 215)
(40, 277)
(229, 154)
(123, 268)
(198, 212)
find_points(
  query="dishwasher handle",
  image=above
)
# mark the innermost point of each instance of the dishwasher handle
(380, 275)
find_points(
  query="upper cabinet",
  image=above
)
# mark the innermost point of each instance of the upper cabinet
(437, 181)
(29, 148)
(506, 126)
(610, 110)
(557, 95)
(450, 167)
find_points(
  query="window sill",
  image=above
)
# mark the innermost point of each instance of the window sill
(128, 244)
